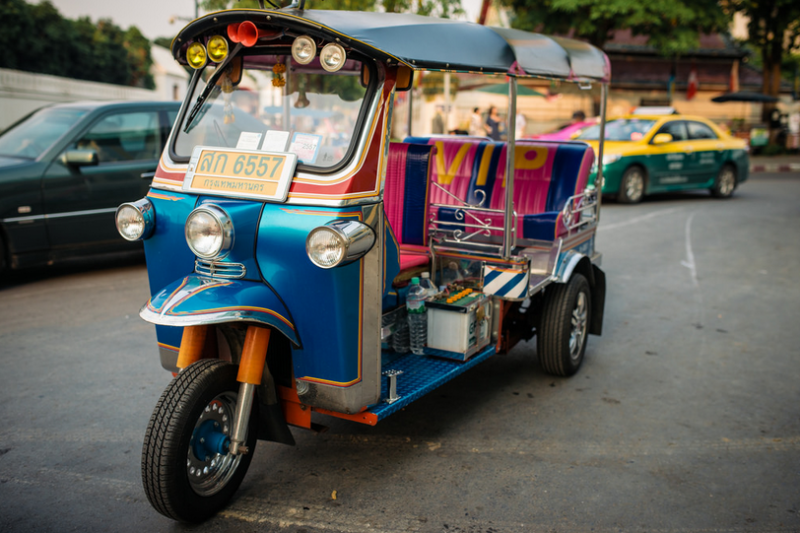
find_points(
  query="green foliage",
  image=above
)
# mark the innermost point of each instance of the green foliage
(673, 26)
(36, 38)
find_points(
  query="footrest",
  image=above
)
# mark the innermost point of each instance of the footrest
(420, 375)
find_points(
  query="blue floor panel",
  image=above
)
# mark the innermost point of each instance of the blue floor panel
(421, 374)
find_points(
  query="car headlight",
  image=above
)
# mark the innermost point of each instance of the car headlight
(339, 242)
(136, 220)
(611, 158)
(209, 232)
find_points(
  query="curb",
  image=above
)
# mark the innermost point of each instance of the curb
(775, 167)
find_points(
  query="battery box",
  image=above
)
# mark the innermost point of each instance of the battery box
(458, 324)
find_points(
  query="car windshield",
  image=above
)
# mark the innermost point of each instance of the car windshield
(33, 136)
(623, 129)
(277, 107)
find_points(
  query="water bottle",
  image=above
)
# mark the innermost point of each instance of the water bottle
(400, 337)
(425, 283)
(417, 317)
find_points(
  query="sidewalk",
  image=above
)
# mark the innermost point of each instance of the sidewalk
(778, 163)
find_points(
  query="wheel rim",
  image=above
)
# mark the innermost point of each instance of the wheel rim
(634, 185)
(210, 474)
(726, 182)
(578, 332)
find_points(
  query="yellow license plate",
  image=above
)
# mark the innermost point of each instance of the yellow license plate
(245, 173)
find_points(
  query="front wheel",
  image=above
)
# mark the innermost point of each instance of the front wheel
(631, 187)
(725, 183)
(187, 471)
(561, 337)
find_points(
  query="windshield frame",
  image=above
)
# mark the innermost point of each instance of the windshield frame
(358, 128)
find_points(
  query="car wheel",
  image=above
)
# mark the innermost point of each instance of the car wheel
(725, 183)
(631, 187)
(187, 471)
(561, 336)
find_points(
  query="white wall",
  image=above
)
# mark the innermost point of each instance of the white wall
(22, 92)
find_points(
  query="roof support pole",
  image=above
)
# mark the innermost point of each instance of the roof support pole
(598, 181)
(509, 233)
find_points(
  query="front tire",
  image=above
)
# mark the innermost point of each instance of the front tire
(183, 479)
(725, 183)
(631, 187)
(561, 338)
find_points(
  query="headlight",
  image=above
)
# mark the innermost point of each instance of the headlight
(217, 48)
(332, 57)
(611, 158)
(136, 220)
(196, 55)
(304, 49)
(209, 232)
(339, 242)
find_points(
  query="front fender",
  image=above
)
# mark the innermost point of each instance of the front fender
(197, 300)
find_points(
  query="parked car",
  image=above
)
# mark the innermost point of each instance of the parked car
(65, 168)
(565, 133)
(648, 154)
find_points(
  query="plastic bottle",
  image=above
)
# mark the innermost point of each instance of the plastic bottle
(400, 337)
(417, 317)
(430, 289)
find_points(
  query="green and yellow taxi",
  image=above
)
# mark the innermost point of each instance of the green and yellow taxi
(649, 154)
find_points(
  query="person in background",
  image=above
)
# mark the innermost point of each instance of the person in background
(519, 131)
(493, 124)
(476, 127)
(437, 126)
(578, 116)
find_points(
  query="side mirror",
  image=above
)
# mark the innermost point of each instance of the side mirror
(405, 78)
(79, 158)
(662, 138)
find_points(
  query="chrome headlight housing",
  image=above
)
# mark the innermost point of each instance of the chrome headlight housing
(136, 220)
(339, 242)
(209, 232)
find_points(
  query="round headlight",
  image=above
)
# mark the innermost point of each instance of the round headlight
(217, 48)
(196, 55)
(304, 49)
(209, 232)
(332, 57)
(339, 242)
(325, 247)
(135, 220)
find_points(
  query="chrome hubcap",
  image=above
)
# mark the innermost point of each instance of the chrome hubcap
(209, 475)
(634, 186)
(578, 332)
(726, 182)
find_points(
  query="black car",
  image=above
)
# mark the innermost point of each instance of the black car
(64, 169)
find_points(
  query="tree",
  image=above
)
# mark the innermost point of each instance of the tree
(673, 26)
(773, 30)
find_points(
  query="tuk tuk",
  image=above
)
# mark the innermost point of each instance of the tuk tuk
(280, 236)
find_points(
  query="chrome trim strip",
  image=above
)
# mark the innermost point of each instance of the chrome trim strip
(216, 269)
(61, 215)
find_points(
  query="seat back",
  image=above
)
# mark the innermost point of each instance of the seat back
(405, 192)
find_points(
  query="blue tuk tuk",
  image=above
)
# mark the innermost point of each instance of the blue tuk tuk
(281, 234)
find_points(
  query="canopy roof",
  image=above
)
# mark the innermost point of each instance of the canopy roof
(426, 43)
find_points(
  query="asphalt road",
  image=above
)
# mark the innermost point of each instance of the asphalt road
(684, 418)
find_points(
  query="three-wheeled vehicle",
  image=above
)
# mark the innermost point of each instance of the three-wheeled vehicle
(281, 234)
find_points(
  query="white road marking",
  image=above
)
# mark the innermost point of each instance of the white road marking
(690, 263)
(636, 220)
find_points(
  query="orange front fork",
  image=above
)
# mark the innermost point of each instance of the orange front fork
(251, 370)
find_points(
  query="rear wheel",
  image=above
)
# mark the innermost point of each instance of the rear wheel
(561, 338)
(631, 187)
(187, 471)
(725, 183)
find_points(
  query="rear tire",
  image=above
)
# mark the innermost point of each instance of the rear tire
(179, 484)
(631, 187)
(725, 183)
(561, 337)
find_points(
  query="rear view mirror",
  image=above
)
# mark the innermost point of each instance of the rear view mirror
(405, 77)
(662, 138)
(79, 158)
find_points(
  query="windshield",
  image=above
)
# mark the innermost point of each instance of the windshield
(313, 114)
(623, 129)
(33, 136)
